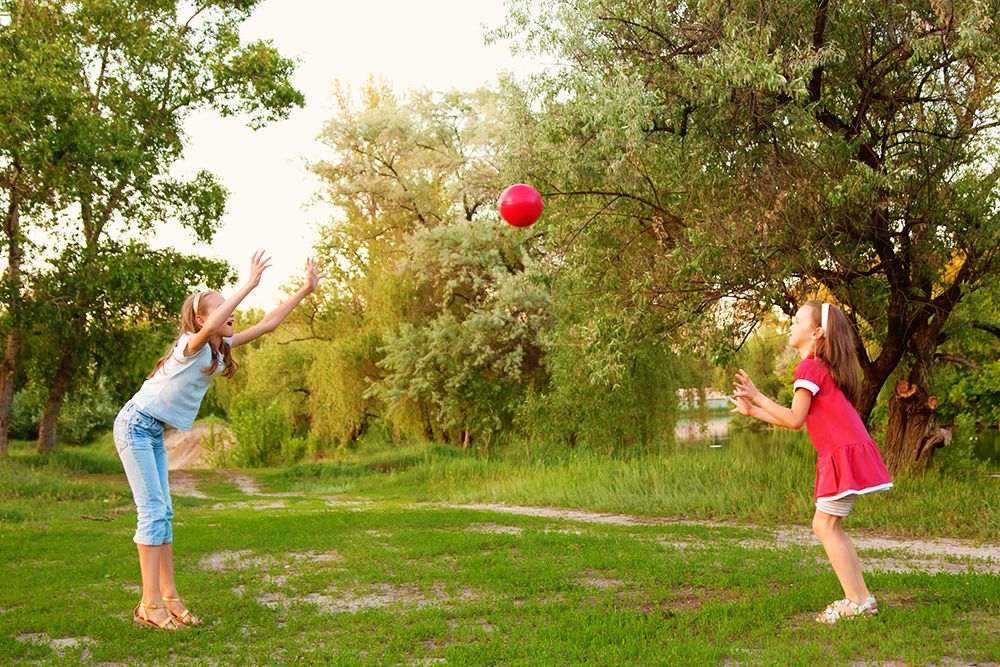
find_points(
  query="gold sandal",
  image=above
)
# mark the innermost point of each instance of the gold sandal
(167, 624)
(186, 618)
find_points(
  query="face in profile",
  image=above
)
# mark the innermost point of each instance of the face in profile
(208, 303)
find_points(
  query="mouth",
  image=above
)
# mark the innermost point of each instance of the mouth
(229, 323)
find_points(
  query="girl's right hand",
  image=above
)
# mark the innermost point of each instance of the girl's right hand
(745, 388)
(257, 265)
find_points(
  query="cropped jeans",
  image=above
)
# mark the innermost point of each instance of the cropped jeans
(139, 441)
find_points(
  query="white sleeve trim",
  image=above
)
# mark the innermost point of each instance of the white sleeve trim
(806, 384)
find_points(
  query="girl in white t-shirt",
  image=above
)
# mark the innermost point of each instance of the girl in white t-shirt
(171, 395)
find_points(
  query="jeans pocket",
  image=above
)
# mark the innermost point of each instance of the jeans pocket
(148, 422)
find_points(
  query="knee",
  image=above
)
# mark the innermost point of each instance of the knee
(823, 524)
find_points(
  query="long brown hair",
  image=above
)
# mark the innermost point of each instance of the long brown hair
(836, 349)
(190, 325)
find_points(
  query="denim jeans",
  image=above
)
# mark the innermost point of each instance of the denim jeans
(139, 441)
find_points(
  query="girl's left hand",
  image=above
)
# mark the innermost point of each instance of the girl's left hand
(312, 276)
(745, 388)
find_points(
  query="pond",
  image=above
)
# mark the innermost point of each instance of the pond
(714, 431)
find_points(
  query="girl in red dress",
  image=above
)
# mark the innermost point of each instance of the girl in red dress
(849, 462)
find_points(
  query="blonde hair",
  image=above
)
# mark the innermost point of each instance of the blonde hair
(836, 347)
(193, 307)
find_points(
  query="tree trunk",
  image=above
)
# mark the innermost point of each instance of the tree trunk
(912, 433)
(11, 364)
(8, 377)
(57, 394)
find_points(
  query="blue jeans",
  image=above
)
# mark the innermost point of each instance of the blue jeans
(139, 441)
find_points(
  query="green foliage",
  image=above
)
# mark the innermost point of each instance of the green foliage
(89, 410)
(467, 364)
(94, 96)
(958, 459)
(259, 429)
(707, 162)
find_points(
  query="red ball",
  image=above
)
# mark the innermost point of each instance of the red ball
(520, 205)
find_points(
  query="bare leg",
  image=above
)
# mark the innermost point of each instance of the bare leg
(166, 583)
(149, 566)
(843, 557)
(168, 588)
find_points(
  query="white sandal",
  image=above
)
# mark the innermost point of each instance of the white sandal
(834, 614)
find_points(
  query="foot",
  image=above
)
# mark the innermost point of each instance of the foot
(179, 612)
(154, 616)
(844, 609)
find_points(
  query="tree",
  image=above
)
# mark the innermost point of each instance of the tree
(36, 106)
(101, 311)
(414, 178)
(132, 72)
(720, 158)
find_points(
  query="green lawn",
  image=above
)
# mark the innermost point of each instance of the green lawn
(373, 577)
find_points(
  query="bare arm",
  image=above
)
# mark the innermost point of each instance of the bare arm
(767, 410)
(219, 316)
(274, 318)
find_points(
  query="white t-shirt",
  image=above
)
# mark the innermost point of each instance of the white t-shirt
(174, 393)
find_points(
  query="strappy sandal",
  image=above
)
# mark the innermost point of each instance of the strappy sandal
(185, 618)
(834, 613)
(166, 624)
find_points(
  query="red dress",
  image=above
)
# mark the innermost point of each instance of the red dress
(849, 460)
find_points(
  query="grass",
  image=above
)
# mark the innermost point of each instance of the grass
(756, 478)
(375, 577)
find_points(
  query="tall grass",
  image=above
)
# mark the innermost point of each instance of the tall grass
(34, 485)
(755, 478)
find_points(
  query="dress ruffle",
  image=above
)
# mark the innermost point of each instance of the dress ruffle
(849, 469)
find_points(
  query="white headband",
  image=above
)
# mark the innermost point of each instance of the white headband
(824, 317)
(197, 301)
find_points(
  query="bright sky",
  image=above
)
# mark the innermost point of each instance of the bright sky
(435, 44)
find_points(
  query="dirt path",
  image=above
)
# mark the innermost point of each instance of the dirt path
(923, 555)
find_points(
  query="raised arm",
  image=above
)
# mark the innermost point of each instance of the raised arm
(224, 311)
(271, 321)
(765, 409)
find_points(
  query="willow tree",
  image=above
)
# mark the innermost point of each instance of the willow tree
(99, 90)
(432, 327)
(714, 159)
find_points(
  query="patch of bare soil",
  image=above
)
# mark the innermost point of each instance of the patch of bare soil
(183, 483)
(244, 483)
(226, 561)
(594, 579)
(251, 505)
(188, 450)
(317, 557)
(389, 595)
(494, 528)
(58, 646)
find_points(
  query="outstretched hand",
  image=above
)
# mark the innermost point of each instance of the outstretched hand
(313, 276)
(744, 387)
(743, 406)
(257, 265)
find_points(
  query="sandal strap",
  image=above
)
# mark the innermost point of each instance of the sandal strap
(167, 624)
(834, 613)
(185, 617)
